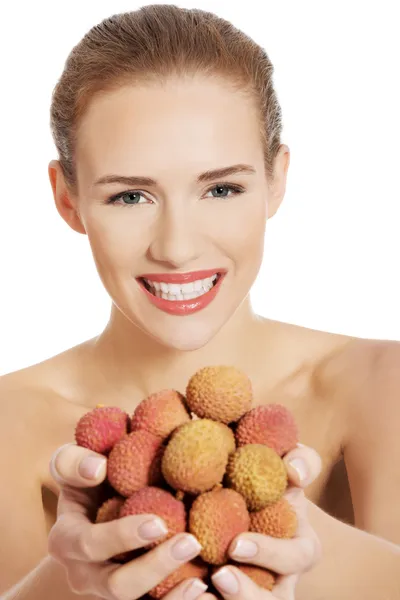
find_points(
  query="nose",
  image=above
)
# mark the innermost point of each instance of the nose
(176, 242)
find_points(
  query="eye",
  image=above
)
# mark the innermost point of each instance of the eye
(132, 198)
(221, 188)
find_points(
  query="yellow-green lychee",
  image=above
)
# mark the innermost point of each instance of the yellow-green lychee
(195, 568)
(278, 520)
(272, 425)
(196, 456)
(215, 518)
(221, 393)
(160, 413)
(154, 500)
(258, 473)
(101, 428)
(134, 462)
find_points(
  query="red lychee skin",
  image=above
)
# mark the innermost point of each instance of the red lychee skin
(160, 413)
(134, 462)
(101, 428)
(272, 425)
(156, 501)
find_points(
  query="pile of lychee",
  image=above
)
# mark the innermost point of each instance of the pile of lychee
(207, 463)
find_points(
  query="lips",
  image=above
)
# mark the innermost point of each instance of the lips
(183, 307)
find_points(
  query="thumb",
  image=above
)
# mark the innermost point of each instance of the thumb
(303, 465)
(78, 467)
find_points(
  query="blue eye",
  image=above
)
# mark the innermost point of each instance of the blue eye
(232, 188)
(133, 198)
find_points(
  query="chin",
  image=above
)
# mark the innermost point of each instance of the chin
(185, 337)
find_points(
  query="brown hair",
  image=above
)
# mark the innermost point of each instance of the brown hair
(149, 45)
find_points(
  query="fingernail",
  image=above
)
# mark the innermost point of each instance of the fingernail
(185, 548)
(91, 466)
(194, 590)
(244, 549)
(300, 445)
(154, 528)
(225, 581)
(300, 467)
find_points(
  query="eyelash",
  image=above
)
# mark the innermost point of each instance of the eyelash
(236, 189)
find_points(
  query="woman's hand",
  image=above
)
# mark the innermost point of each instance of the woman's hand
(85, 548)
(287, 557)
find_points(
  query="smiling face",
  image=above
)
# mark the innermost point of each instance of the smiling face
(183, 222)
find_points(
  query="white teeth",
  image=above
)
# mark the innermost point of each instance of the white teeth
(184, 291)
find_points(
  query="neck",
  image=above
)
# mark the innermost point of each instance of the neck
(129, 359)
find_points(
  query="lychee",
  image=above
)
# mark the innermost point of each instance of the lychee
(272, 425)
(101, 428)
(278, 520)
(262, 577)
(195, 568)
(109, 510)
(258, 473)
(158, 502)
(221, 393)
(215, 518)
(196, 456)
(134, 462)
(160, 413)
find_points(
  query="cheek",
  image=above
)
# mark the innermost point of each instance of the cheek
(115, 241)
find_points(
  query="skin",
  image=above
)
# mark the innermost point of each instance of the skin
(342, 391)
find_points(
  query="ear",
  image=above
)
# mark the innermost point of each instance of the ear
(66, 204)
(278, 186)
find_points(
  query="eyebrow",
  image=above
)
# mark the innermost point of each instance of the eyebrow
(203, 177)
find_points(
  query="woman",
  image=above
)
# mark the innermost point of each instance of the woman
(168, 131)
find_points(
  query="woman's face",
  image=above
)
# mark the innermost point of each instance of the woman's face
(188, 220)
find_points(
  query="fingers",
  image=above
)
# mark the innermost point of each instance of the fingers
(73, 538)
(77, 466)
(303, 465)
(135, 578)
(190, 589)
(284, 556)
(235, 585)
(153, 567)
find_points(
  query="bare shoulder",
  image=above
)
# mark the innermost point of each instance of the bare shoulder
(37, 410)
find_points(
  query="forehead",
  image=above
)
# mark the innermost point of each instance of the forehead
(198, 121)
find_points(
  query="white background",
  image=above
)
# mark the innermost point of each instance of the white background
(331, 251)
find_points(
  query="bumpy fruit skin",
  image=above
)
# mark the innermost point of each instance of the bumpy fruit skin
(221, 393)
(196, 456)
(134, 462)
(278, 520)
(101, 428)
(109, 510)
(258, 473)
(157, 501)
(160, 413)
(262, 577)
(272, 425)
(215, 518)
(192, 569)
